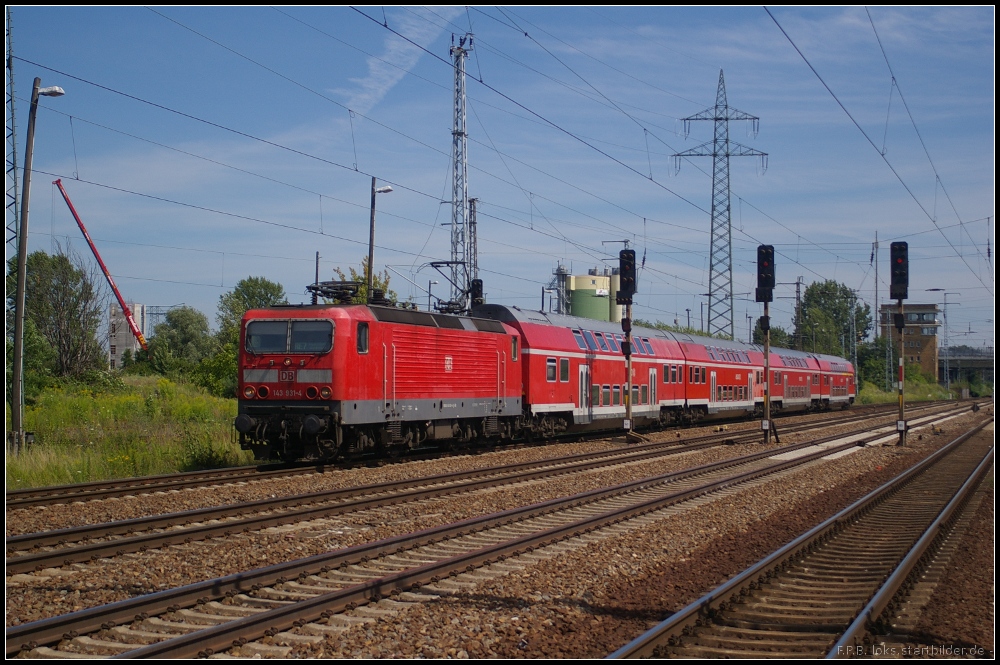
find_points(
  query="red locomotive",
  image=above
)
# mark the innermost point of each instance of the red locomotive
(323, 381)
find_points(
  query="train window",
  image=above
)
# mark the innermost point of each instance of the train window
(637, 348)
(666, 373)
(616, 395)
(595, 395)
(591, 342)
(267, 336)
(513, 349)
(676, 374)
(564, 370)
(612, 343)
(311, 337)
(550, 369)
(606, 395)
(601, 342)
(649, 347)
(815, 379)
(363, 337)
(645, 394)
(635, 394)
(579, 340)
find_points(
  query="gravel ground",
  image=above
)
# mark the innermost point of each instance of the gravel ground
(614, 590)
(592, 601)
(33, 597)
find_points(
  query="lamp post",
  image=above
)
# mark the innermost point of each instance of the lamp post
(17, 389)
(429, 284)
(947, 369)
(371, 237)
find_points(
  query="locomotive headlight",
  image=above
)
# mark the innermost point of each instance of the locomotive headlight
(249, 392)
(311, 392)
(324, 392)
(288, 361)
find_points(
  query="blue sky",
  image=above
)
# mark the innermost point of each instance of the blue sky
(205, 145)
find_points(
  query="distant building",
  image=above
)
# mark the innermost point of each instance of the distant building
(920, 334)
(120, 337)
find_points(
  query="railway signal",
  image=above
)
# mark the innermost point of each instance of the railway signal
(765, 273)
(899, 271)
(627, 274)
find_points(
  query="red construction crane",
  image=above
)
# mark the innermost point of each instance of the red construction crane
(121, 301)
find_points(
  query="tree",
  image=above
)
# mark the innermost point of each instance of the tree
(780, 337)
(66, 302)
(823, 324)
(379, 282)
(249, 293)
(684, 330)
(39, 362)
(181, 342)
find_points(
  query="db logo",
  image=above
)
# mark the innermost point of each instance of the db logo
(286, 375)
(447, 363)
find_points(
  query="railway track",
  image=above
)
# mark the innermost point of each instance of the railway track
(827, 591)
(36, 551)
(300, 601)
(52, 495)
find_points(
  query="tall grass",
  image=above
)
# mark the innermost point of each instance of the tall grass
(146, 426)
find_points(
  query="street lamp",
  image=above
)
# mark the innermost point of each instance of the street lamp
(947, 369)
(429, 284)
(371, 237)
(17, 387)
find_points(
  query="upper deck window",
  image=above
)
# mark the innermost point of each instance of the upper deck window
(272, 336)
(579, 340)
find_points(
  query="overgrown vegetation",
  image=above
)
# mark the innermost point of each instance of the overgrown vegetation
(121, 427)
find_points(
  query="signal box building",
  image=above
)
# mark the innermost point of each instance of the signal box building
(120, 337)
(920, 334)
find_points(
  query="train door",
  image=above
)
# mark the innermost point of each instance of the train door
(750, 386)
(585, 406)
(652, 387)
(711, 394)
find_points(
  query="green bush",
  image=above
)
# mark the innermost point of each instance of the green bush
(121, 427)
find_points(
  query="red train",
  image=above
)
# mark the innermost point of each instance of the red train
(324, 381)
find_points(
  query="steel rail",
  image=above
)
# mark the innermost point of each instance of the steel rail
(52, 630)
(872, 615)
(373, 496)
(648, 644)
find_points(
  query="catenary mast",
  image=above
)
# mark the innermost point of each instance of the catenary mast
(460, 186)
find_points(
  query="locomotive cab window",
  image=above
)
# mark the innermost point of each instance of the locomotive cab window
(513, 349)
(289, 336)
(311, 337)
(363, 337)
(267, 336)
